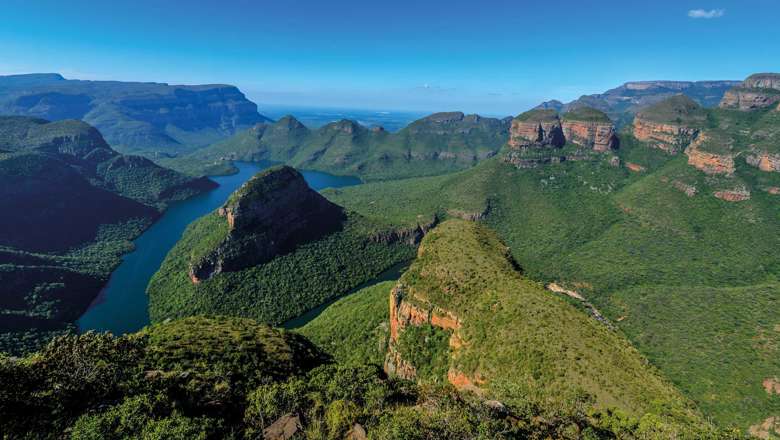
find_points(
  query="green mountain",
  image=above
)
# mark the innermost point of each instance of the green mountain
(142, 118)
(70, 206)
(275, 250)
(676, 245)
(436, 144)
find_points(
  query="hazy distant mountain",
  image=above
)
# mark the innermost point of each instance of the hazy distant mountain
(147, 118)
(435, 144)
(621, 103)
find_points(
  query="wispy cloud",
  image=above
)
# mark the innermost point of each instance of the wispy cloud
(703, 13)
(431, 88)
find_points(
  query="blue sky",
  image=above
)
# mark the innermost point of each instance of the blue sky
(488, 56)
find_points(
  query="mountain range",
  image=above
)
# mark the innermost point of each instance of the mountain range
(436, 144)
(621, 103)
(576, 271)
(153, 119)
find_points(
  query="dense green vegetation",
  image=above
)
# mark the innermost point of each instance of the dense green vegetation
(437, 144)
(71, 205)
(354, 329)
(285, 287)
(678, 109)
(538, 115)
(609, 233)
(587, 114)
(233, 378)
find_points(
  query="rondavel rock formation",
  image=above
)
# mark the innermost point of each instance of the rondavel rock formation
(271, 214)
(537, 136)
(670, 125)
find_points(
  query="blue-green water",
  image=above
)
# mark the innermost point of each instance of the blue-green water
(122, 305)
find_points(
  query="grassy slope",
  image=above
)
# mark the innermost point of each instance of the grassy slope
(528, 342)
(281, 289)
(613, 232)
(354, 329)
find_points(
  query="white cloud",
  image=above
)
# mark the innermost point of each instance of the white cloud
(701, 13)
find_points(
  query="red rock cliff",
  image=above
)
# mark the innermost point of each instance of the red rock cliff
(404, 314)
(671, 138)
(598, 136)
(709, 163)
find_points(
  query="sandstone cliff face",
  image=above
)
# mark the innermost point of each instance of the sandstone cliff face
(763, 81)
(756, 92)
(671, 138)
(598, 136)
(404, 314)
(709, 163)
(271, 214)
(749, 99)
(540, 129)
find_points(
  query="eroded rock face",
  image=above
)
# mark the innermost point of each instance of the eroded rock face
(544, 131)
(598, 136)
(733, 195)
(764, 161)
(404, 314)
(756, 92)
(709, 163)
(271, 214)
(745, 99)
(671, 138)
(763, 81)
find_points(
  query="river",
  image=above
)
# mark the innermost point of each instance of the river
(122, 306)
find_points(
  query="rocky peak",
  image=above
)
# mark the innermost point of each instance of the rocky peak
(346, 126)
(551, 105)
(289, 122)
(271, 214)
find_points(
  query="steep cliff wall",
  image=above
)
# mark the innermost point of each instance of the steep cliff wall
(758, 91)
(590, 128)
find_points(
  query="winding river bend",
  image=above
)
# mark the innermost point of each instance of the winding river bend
(122, 305)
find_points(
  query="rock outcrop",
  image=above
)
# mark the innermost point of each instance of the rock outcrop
(764, 161)
(271, 214)
(405, 313)
(537, 129)
(590, 128)
(733, 195)
(758, 91)
(710, 162)
(670, 125)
